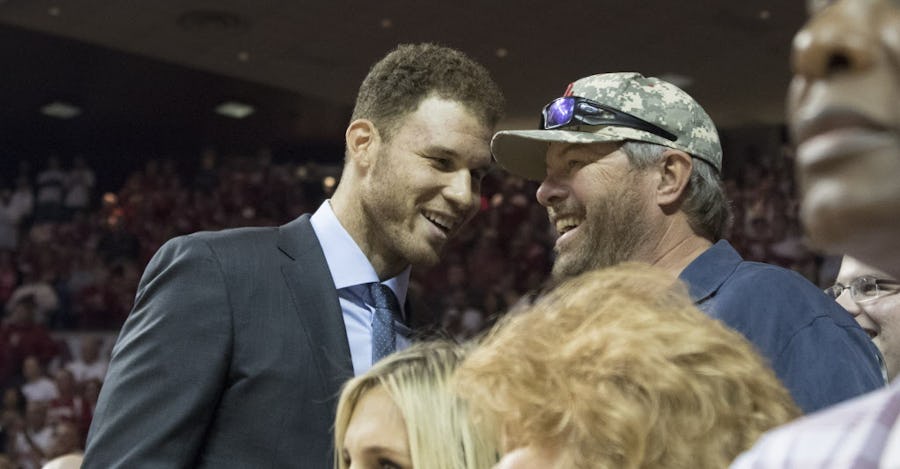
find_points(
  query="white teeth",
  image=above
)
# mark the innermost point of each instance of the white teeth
(444, 222)
(565, 224)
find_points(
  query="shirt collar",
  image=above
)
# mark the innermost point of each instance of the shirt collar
(346, 261)
(710, 270)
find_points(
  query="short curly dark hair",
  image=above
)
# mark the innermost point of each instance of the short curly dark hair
(397, 84)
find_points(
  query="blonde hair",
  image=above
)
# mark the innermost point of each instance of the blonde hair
(618, 369)
(437, 421)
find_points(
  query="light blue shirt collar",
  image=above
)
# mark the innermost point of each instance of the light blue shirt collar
(348, 265)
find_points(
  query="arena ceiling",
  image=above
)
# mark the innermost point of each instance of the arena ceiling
(155, 69)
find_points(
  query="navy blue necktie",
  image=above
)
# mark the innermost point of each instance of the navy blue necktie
(387, 310)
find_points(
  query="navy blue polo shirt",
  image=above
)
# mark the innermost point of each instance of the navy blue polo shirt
(814, 345)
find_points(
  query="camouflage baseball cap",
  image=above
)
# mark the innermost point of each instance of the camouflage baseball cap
(523, 152)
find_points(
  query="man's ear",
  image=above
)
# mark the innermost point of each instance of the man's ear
(362, 142)
(675, 172)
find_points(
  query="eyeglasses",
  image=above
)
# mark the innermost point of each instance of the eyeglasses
(574, 109)
(864, 289)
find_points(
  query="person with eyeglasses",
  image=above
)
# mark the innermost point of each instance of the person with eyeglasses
(831, 438)
(870, 295)
(630, 171)
(843, 115)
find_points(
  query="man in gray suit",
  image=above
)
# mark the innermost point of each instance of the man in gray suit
(240, 340)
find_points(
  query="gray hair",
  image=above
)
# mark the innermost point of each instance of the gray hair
(705, 204)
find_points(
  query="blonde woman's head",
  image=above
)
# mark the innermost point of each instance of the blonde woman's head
(402, 414)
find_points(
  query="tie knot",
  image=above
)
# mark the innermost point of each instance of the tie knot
(384, 298)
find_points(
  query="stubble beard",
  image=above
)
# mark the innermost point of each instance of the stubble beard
(613, 234)
(388, 213)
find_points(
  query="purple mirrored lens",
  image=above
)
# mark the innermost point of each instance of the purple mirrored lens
(559, 112)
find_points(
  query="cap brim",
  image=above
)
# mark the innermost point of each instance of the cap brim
(524, 152)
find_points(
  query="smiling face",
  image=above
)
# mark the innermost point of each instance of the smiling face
(879, 317)
(376, 436)
(424, 183)
(596, 202)
(844, 113)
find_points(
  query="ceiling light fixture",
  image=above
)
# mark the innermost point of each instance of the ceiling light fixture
(60, 110)
(234, 109)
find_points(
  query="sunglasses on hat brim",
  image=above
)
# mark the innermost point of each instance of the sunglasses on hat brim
(574, 110)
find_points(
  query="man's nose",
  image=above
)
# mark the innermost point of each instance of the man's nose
(551, 191)
(460, 191)
(838, 39)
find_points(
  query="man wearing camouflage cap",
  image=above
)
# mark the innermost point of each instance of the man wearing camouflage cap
(630, 172)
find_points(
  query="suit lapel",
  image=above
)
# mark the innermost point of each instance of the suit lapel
(316, 302)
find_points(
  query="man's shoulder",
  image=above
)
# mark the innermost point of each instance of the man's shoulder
(237, 238)
(722, 272)
(762, 284)
(229, 235)
(237, 252)
(775, 297)
(771, 275)
(832, 437)
(756, 284)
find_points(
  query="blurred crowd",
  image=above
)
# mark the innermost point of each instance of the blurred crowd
(71, 259)
(766, 208)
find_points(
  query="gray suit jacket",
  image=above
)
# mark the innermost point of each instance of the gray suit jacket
(232, 357)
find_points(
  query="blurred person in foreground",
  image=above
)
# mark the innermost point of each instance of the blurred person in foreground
(402, 414)
(239, 340)
(870, 295)
(616, 368)
(844, 116)
(630, 169)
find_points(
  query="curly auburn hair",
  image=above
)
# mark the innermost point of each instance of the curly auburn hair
(617, 368)
(397, 84)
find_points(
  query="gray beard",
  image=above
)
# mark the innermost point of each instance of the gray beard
(614, 233)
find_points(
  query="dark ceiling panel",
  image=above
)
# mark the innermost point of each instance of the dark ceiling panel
(133, 104)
